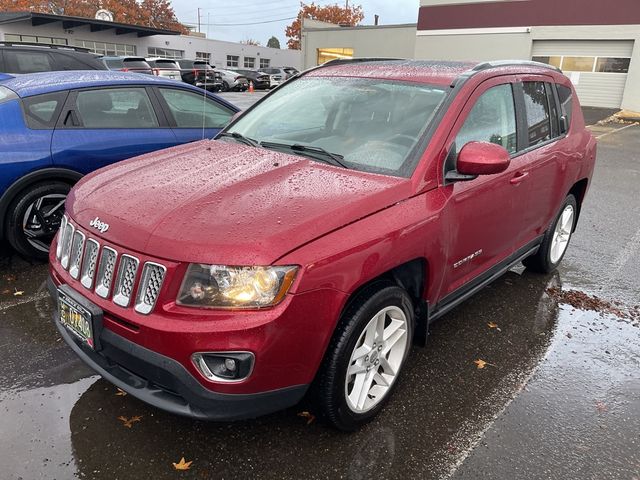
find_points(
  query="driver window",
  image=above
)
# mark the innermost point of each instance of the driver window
(492, 119)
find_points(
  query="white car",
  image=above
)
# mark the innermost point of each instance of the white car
(233, 81)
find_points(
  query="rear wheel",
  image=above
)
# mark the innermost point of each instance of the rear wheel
(225, 86)
(365, 357)
(34, 218)
(556, 239)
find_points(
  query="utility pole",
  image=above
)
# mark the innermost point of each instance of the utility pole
(346, 4)
(198, 19)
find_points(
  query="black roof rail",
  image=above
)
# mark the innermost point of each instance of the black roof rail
(46, 45)
(340, 61)
(513, 63)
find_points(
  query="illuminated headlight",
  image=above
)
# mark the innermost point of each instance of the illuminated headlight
(217, 286)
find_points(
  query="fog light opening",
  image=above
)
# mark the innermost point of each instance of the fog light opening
(224, 366)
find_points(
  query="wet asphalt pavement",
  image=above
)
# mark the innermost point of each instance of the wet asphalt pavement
(558, 399)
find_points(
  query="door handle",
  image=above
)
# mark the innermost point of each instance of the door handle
(519, 178)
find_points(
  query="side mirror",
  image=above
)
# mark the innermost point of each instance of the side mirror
(482, 158)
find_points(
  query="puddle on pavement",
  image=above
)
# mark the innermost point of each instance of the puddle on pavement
(442, 402)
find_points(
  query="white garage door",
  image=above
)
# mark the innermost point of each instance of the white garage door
(598, 67)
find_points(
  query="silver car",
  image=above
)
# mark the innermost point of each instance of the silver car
(233, 81)
(165, 68)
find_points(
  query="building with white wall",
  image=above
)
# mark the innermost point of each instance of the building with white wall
(111, 38)
(596, 43)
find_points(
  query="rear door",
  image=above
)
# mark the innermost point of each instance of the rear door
(193, 116)
(104, 125)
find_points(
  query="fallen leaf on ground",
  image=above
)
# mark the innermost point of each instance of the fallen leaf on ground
(6, 292)
(481, 364)
(182, 465)
(9, 278)
(18, 293)
(309, 416)
(601, 407)
(494, 325)
(120, 393)
(128, 422)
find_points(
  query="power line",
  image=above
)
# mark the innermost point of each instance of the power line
(243, 24)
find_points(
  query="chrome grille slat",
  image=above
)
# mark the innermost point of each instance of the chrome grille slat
(66, 247)
(150, 285)
(75, 256)
(105, 271)
(125, 280)
(63, 226)
(89, 263)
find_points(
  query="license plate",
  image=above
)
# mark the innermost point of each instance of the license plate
(76, 318)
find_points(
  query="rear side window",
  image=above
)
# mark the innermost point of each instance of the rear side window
(114, 64)
(492, 119)
(42, 111)
(565, 95)
(116, 108)
(188, 109)
(538, 112)
(17, 61)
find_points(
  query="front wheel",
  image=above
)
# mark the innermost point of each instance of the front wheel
(556, 239)
(34, 218)
(365, 357)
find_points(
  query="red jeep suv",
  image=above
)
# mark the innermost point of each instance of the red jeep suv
(314, 240)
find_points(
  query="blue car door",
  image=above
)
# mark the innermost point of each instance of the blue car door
(193, 115)
(104, 125)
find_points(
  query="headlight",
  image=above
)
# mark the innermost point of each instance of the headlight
(218, 286)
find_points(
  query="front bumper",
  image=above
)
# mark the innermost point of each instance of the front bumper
(165, 383)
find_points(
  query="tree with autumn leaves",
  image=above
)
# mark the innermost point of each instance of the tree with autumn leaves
(148, 13)
(346, 15)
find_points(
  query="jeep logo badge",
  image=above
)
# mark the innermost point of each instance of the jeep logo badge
(99, 225)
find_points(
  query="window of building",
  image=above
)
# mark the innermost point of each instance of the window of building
(587, 64)
(326, 54)
(188, 108)
(249, 62)
(116, 108)
(265, 62)
(492, 119)
(613, 65)
(107, 49)
(203, 56)
(9, 37)
(555, 61)
(168, 53)
(538, 115)
(232, 60)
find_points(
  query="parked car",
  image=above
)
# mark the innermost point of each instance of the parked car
(22, 58)
(165, 68)
(59, 126)
(319, 235)
(261, 81)
(291, 72)
(200, 74)
(233, 81)
(128, 64)
(276, 76)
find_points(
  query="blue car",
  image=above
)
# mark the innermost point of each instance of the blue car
(56, 127)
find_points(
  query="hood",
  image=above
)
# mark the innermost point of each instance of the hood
(222, 202)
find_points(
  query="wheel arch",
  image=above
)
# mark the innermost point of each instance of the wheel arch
(579, 190)
(413, 276)
(24, 182)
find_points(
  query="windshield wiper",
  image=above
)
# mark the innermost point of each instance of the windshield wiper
(240, 138)
(332, 158)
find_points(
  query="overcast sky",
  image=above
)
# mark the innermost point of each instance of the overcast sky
(216, 12)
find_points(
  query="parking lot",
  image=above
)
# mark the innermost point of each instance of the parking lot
(557, 398)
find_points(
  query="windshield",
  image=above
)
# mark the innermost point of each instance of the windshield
(371, 124)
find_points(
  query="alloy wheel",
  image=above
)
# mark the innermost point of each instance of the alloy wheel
(562, 234)
(41, 220)
(376, 359)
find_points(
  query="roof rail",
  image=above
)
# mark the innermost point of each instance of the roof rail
(340, 61)
(515, 63)
(45, 45)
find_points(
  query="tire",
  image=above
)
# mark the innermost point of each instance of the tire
(225, 86)
(556, 239)
(34, 217)
(341, 401)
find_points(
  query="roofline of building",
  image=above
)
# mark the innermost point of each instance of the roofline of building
(361, 27)
(69, 22)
